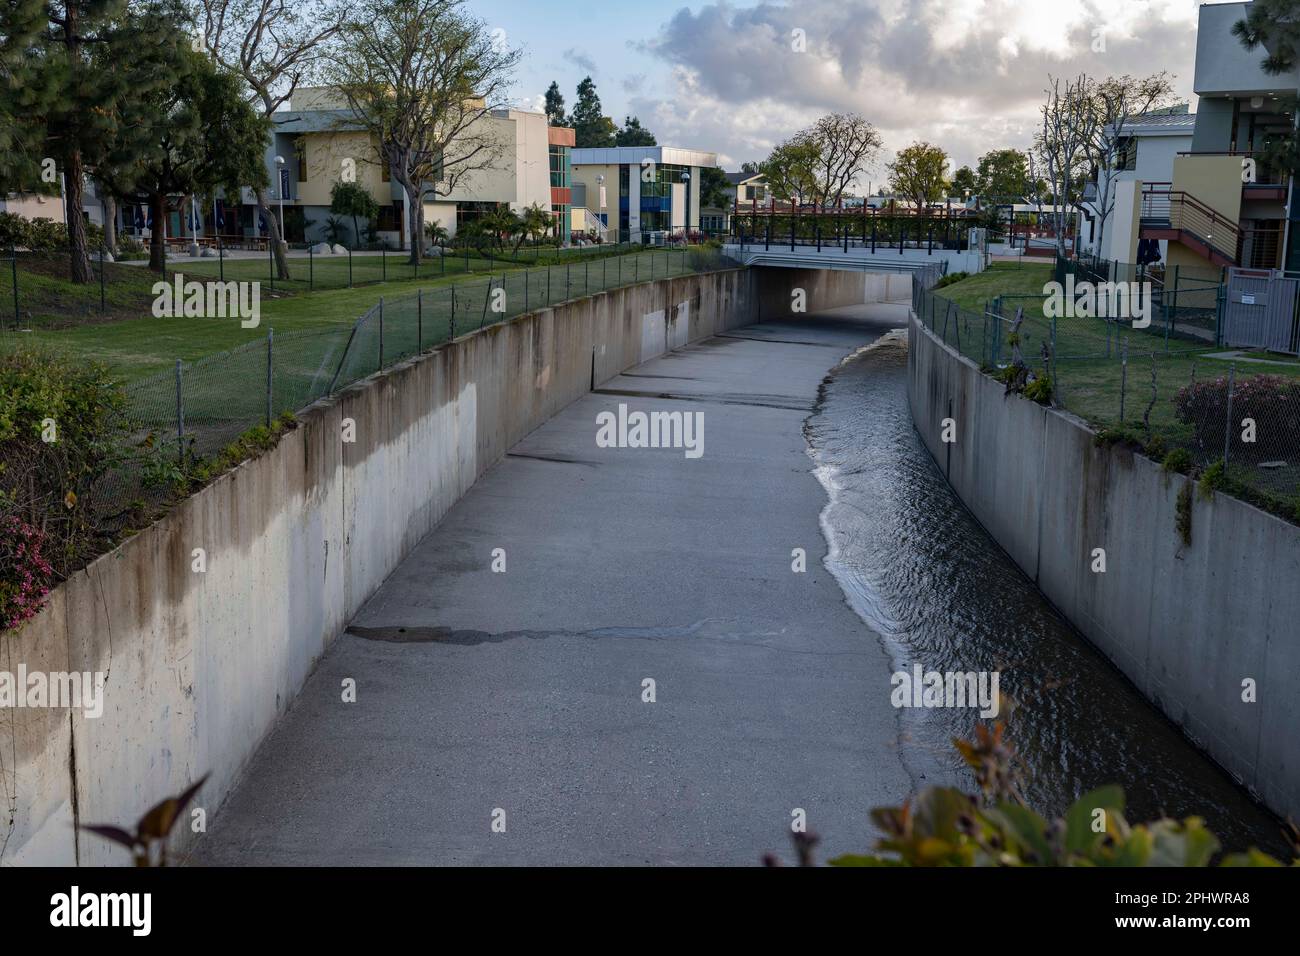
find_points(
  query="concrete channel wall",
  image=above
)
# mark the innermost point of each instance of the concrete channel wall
(1186, 623)
(199, 666)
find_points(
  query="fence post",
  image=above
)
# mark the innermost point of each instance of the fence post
(452, 328)
(311, 268)
(13, 262)
(1227, 425)
(381, 333)
(483, 318)
(349, 265)
(270, 262)
(419, 320)
(221, 258)
(1123, 377)
(525, 290)
(566, 280)
(180, 417)
(103, 305)
(383, 263)
(270, 344)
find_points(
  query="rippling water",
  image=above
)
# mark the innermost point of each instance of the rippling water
(926, 577)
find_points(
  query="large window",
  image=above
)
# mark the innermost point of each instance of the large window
(471, 211)
(560, 167)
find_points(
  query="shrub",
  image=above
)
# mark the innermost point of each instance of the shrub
(13, 230)
(951, 278)
(25, 574)
(62, 428)
(1272, 401)
(46, 235)
(942, 826)
(1179, 459)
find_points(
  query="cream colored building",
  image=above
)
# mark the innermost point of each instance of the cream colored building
(322, 142)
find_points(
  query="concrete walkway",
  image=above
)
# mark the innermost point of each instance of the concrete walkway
(522, 691)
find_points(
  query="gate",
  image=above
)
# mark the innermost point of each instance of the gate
(1260, 311)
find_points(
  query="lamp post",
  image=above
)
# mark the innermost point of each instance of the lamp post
(600, 186)
(279, 187)
(686, 213)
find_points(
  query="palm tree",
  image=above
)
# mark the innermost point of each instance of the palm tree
(437, 234)
(536, 221)
(502, 223)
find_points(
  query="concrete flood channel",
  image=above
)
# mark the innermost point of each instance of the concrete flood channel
(519, 697)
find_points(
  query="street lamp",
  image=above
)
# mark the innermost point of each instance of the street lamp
(686, 213)
(279, 175)
(600, 183)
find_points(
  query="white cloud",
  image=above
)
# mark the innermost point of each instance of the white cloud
(966, 74)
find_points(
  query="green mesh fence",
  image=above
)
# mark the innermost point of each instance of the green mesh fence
(1167, 387)
(191, 412)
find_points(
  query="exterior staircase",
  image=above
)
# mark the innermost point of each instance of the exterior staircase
(1177, 215)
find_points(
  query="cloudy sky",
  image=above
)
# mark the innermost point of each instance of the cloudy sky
(728, 76)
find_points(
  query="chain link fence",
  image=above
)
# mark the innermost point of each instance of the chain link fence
(35, 293)
(193, 411)
(1231, 418)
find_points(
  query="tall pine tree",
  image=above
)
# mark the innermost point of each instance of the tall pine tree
(592, 128)
(555, 105)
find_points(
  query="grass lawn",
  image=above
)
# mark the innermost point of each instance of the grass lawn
(135, 344)
(1000, 278)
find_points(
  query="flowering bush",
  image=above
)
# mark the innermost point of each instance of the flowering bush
(25, 575)
(62, 428)
(1271, 402)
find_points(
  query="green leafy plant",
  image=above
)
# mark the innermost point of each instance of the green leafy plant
(944, 826)
(148, 842)
(950, 278)
(1177, 460)
(1214, 478)
(62, 428)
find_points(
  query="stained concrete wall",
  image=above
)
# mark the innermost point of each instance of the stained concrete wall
(199, 666)
(1186, 623)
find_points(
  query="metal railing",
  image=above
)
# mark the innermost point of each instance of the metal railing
(1166, 208)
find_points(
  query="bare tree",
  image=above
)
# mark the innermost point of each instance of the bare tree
(845, 144)
(1115, 102)
(1069, 124)
(274, 45)
(423, 78)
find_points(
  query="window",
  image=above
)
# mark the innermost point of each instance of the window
(470, 211)
(390, 218)
(560, 168)
(1126, 157)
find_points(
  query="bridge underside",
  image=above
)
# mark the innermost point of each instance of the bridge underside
(857, 259)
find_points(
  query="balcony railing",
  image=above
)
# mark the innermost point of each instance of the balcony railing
(1166, 208)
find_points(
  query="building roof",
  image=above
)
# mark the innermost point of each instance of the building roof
(635, 155)
(1160, 124)
(737, 178)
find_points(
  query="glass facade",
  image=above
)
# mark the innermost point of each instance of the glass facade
(656, 188)
(561, 183)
